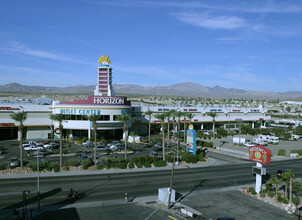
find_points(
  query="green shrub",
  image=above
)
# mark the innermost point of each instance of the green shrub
(2, 167)
(134, 160)
(296, 201)
(64, 151)
(271, 194)
(72, 163)
(86, 163)
(160, 163)
(155, 158)
(66, 168)
(131, 165)
(282, 152)
(262, 194)
(284, 200)
(268, 187)
(56, 169)
(252, 190)
(121, 160)
(201, 157)
(147, 164)
(100, 167)
(190, 158)
(149, 159)
(139, 165)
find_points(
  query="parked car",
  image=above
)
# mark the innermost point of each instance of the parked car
(90, 144)
(97, 159)
(113, 144)
(158, 145)
(298, 211)
(153, 153)
(14, 162)
(32, 148)
(248, 144)
(51, 145)
(118, 147)
(102, 148)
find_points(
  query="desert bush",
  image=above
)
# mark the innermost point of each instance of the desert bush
(131, 165)
(86, 163)
(296, 201)
(139, 165)
(252, 190)
(100, 167)
(190, 158)
(147, 164)
(71, 163)
(271, 194)
(282, 152)
(160, 163)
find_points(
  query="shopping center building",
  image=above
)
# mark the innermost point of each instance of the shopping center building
(108, 106)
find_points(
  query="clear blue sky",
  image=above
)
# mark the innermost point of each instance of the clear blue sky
(253, 45)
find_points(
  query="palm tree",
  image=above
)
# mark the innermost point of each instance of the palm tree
(190, 117)
(184, 114)
(290, 175)
(59, 118)
(162, 118)
(168, 116)
(178, 114)
(20, 117)
(93, 119)
(275, 181)
(125, 119)
(172, 112)
(213, 115)
(149, 113)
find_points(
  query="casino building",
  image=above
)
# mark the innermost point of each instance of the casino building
(104, 103)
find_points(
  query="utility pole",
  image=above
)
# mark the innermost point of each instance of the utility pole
(171, 184)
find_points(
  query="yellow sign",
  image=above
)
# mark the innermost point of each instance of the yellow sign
(104, 59)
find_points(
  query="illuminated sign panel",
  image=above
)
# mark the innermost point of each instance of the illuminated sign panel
(100, 100)
(260, 154)
(191, 141)
(80, 111)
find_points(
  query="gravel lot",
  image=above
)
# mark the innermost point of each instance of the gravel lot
(227, 143)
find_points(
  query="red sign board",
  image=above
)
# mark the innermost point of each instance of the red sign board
(260, 154)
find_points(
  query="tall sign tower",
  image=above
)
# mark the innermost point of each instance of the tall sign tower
(104, 85)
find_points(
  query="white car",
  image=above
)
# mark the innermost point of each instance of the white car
(248, 144)
(31, 147)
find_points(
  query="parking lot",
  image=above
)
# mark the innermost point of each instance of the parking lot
(10, 149)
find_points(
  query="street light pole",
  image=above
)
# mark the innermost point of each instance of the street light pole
(38, 179)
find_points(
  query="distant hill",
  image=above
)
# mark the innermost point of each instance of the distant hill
(187, 89)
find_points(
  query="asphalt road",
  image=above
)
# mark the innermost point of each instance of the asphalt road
(99, 187)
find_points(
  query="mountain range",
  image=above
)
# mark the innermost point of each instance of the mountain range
(187, 89)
